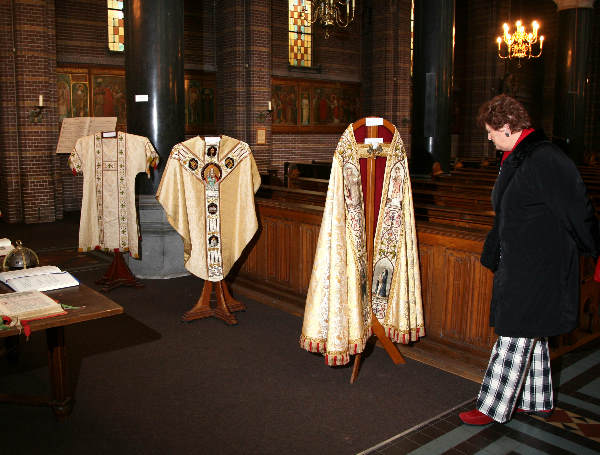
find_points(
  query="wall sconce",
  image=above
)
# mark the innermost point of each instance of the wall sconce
(266, 115)
(36, 115)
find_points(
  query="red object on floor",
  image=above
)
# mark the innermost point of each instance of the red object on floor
(475, 417)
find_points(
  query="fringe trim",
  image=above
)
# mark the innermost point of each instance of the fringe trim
(404, 337)
(335, 358)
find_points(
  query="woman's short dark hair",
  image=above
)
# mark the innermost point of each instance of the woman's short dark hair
(502, 110)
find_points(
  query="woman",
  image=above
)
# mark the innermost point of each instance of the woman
(544, 221)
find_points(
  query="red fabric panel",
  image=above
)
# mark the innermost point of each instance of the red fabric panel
(379, 173)
(387, 136)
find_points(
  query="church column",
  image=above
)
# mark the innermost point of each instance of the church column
(154, 68)
(575, 33)
(386, 62)
(30, 189)
(244, 73)
(155, 109)
(259, 80)
(432, 84)
(232, 67)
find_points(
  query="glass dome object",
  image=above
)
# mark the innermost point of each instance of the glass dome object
(20, 257)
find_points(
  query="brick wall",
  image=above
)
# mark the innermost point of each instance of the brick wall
(199, 40)
(386, 75)
(81, 34)
(30, 191)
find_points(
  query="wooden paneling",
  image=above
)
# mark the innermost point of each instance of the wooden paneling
(283, 254)
(456, 288)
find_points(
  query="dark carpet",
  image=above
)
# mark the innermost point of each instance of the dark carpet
(146, 383)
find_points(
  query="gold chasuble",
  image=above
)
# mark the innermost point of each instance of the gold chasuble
(207, 191)
(337, 316)
(109, 163)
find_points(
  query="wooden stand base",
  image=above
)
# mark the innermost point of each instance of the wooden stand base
(224, 308)
(118, 274)
(388, 345)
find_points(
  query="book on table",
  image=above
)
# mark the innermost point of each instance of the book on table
(45, 278)
(29, 305)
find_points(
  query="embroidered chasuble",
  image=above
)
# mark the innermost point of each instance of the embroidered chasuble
(337, 315)
(109, 166)
(207, 190)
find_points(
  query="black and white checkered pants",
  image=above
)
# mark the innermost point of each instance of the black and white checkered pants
(518, 372)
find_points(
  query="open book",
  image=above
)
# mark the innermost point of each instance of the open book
(43, 278)
(24, 306)
(76, 127)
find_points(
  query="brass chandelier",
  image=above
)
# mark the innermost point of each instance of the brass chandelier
(332, 13)
(520, 44)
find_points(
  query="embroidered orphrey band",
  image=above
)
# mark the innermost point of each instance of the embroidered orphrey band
(211, 172)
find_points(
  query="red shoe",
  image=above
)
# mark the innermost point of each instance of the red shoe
(544, 414)
(475, 417)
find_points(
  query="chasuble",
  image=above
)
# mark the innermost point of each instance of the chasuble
(207, 191)
(109, 166)
(337, 316)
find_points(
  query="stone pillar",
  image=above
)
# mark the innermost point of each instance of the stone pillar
(154, 68)
(575, 32)
(432, 84)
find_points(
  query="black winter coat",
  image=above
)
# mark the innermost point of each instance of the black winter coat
(544, 221)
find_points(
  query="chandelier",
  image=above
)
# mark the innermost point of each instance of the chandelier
(331, 13)
(520, 44)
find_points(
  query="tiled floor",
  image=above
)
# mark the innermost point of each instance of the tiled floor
(574, 427)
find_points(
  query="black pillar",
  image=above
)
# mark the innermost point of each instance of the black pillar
(154, 67)
(432, 84)
(575, 32)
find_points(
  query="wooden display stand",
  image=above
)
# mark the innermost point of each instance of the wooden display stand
(118, 274)
(369, 200)
(225, 304)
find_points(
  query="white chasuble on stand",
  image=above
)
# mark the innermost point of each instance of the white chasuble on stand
(337, 315)
(109, 163)
(207, 191)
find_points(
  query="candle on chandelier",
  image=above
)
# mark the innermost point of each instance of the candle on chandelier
(41, 100)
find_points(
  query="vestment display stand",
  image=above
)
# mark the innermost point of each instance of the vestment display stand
(226, 304)
(118, 274)
(369, 201)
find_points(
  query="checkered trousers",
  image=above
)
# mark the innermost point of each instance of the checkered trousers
(519, 369)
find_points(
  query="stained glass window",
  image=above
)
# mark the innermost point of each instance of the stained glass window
(116, 26)
(300, 33)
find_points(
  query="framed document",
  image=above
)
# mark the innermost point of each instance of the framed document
(261, 136)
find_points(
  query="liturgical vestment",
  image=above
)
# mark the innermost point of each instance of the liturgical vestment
(207, 191)
(337, 316)
(109, 166)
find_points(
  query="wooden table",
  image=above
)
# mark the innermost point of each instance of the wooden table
(93, 305)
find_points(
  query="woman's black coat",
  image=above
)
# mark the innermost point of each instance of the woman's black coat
(544, 221)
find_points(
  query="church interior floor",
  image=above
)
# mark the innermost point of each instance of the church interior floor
(278, 398)
(573, 428)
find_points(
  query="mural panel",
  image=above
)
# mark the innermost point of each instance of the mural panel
(313, 106)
